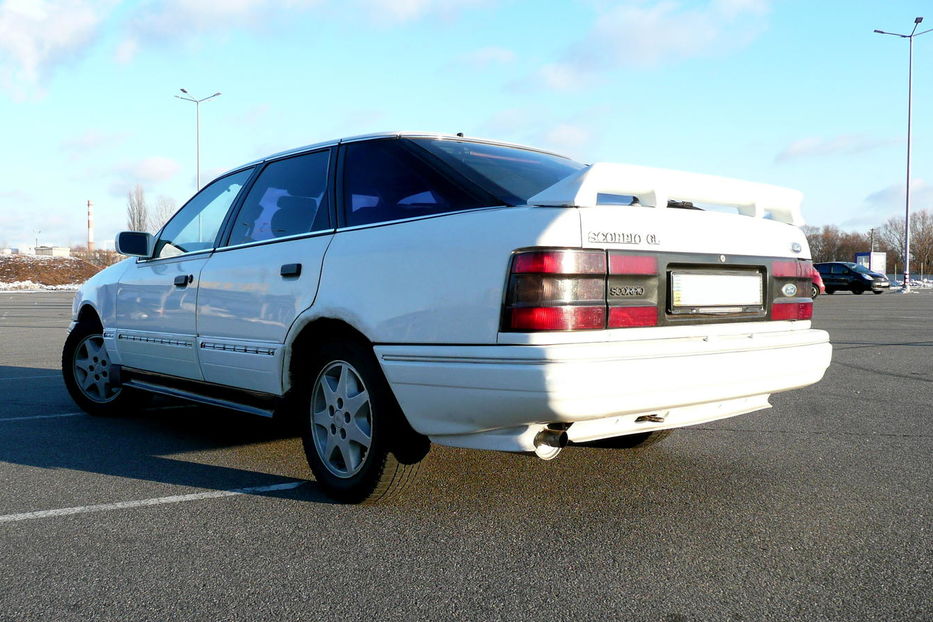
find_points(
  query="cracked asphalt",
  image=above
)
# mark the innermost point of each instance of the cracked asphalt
(817, 509)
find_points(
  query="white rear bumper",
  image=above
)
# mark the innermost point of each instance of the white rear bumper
(498, 397)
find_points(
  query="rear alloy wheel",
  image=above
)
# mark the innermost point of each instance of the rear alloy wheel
(814, 291)
(349, 427)
(87, 372)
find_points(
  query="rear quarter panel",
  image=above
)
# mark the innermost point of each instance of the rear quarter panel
(437, 280)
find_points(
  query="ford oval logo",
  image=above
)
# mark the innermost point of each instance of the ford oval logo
(796, 247)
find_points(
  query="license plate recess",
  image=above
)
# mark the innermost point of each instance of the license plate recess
(724, 292)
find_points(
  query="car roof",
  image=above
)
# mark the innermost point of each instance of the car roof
(378, 135)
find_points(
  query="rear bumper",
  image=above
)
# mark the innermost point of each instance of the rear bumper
(452, 392)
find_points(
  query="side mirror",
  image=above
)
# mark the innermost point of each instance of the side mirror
(134, 243)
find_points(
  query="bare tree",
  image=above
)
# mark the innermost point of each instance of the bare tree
(165, 208)
(137, 218)
(814, 241)
(892, 235)
(921, 242)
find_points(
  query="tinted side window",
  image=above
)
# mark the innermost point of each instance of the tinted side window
(384, 181)
(195, 226)
(288, 198)
(839, 269)
(822, 269)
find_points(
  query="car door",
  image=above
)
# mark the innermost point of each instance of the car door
(837, 277)
(266, 272)
(156, 301)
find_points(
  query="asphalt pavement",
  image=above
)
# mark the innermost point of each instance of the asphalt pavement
(816, 509)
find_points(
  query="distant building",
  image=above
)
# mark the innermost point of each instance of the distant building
(53, 251)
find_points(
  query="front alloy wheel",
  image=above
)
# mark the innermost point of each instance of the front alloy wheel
(91, 370)
(88, 374)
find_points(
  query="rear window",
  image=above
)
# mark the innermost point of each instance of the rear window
(511, 173)
(383, 180)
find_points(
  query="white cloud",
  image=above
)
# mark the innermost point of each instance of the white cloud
(641, 34)
(399, 11)
(574, 136)
(564, 76)
(892, 197)
(126, 50)
(845, 144)
(491, 55)
(37, 36)
(91, 140)
(175, 19)
(151, 170)
(154, 169)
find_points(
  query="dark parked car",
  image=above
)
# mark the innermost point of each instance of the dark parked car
(845, 275)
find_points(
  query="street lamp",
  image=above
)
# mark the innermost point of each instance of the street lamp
(197, 129)
(910, 65)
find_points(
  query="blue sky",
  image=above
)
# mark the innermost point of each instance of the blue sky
(798, 93)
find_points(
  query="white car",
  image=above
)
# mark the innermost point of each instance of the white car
(395, 290)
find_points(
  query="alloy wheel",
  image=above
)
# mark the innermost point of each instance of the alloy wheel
(91, 367)
(341, 419)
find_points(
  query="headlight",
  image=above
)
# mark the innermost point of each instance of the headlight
(867, 277)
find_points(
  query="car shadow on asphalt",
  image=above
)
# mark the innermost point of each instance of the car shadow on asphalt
(166, 441)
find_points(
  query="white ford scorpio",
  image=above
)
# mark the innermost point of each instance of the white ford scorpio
(399, 289)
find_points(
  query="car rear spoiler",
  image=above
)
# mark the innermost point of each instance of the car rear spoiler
(654, 187)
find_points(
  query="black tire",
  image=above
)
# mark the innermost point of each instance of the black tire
(344, 403)
(858, 290)
(631, 441)
(877, 291)
(814, 291)
(830, 291)
(86, 371)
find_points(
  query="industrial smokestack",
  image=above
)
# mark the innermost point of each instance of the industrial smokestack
(90, 227)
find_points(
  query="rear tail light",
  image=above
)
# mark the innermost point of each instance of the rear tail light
(633, 264)
(568, 290)
(556, 290)
(629, 317)
(558, 318)
(792, 310)
(576, 289)
(792, 269)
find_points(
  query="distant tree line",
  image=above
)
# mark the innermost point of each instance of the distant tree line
(829, 243)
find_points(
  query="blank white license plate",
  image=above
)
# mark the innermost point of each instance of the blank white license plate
(716, 290)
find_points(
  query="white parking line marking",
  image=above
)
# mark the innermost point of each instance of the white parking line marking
(121, 505)
(3, 419)
(32, 377)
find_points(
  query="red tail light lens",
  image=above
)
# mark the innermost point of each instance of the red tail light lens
(792, 269)
(560, 262)
(557, 318)
(556, 290)
(630, 317)
(633, 264)
(792, 311)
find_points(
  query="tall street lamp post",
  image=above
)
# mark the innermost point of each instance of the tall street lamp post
(197, 129)
(910, 66)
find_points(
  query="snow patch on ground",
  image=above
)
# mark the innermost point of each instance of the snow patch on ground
(29, 286)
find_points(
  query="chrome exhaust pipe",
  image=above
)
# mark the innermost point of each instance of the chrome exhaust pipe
(548, 443)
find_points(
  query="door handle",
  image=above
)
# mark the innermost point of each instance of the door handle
(290, 269)
(182, 280)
